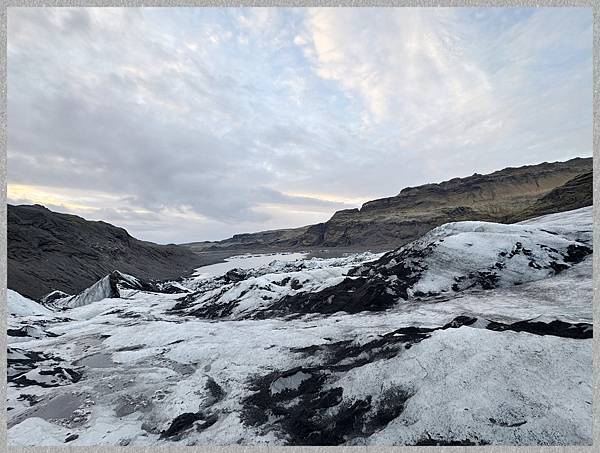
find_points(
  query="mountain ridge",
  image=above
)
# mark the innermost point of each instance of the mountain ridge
(49, 251)
(508, 195)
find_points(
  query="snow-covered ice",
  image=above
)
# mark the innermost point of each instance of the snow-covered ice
(476, 333)
(18, 305)
(248, 261)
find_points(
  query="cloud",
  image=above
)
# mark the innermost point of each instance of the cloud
(196, 124)
(410, 62)
(455, 81)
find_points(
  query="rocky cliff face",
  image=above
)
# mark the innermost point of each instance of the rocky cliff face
(52, 251)
(505, 196)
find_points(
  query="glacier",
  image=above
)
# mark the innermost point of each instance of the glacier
(476, 333)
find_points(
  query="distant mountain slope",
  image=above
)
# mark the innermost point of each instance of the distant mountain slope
(52, 251)
(575, 193)
(505, 196)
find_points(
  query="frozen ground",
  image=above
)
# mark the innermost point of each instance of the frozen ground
(477, 333)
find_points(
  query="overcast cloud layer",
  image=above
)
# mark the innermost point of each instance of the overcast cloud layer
(196, 124)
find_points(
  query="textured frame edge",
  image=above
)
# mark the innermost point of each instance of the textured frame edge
(595, 6)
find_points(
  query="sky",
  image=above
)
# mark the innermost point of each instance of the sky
(191, 124)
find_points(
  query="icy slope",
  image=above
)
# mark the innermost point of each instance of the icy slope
(463, 255)
(28, 319)
(18, 305)
(574, 224)
(449, 259)
(250, 293)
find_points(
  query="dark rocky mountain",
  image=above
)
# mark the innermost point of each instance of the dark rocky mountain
(505, 196)
(52, 251)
